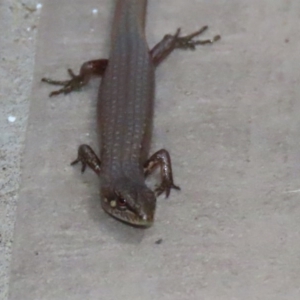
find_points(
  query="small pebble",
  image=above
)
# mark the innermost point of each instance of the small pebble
(11, 119)
(158, 242)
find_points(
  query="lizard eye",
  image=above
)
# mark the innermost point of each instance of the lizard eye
(121, 202)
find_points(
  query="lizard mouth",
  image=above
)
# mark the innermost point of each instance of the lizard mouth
(128, 216)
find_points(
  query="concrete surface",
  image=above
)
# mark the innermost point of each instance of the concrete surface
(229, 115)
(17, 50)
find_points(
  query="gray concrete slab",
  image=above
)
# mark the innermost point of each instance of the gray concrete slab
(18, 23)
(229, 115)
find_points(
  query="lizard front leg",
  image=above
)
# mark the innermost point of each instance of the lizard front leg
(161, 158)
(87, 157)
(171, 42)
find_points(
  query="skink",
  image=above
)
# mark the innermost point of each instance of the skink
(125, 113)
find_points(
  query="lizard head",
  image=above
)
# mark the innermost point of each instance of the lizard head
(129, 202)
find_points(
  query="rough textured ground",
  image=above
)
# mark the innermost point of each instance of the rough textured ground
(229, 115)
(18, 26)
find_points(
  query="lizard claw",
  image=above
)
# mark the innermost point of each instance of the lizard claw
(166, 187)
(187, 42)
(74, 84)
